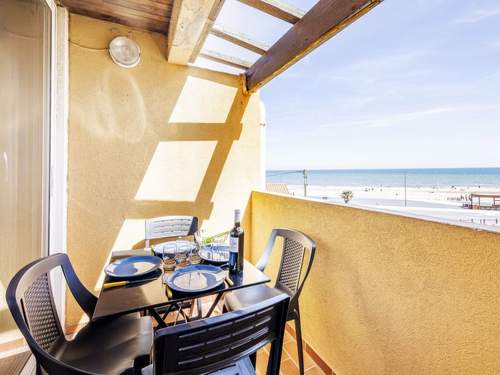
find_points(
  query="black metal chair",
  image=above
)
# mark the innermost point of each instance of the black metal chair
(169, 226)
(289, 280)
(222, 344)
(172, 227)
(120, 345)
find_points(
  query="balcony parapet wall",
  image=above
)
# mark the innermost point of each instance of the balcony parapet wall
(390, 294)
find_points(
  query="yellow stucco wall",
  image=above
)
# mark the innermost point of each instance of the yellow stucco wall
(158, 139)
(390, 294)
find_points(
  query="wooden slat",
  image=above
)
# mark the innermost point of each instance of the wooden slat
(224, 59)
(239, 39)
(278, 9)
(123, 12)
(214, 13)
(146, 6)
(113, 8)
(324, 20)
(187, 24)
(142, 24)
(14, 364)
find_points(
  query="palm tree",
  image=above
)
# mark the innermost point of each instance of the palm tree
(347, 195)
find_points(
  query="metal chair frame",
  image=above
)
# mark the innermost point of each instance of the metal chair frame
(287, 285)
(203, 346)
(169, 226)
(21, 283)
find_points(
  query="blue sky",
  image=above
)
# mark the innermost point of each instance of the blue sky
(411, 84)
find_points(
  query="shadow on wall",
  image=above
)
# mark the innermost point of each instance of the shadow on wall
(146, 142)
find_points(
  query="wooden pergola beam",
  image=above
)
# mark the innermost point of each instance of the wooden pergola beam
(224, 59)
(187, 25)
(276, 9)
(239, 39)
(324, 20)
(214, 13)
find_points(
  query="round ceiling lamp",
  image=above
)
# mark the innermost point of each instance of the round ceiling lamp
(124, 52)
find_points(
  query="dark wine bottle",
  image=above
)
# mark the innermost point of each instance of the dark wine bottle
(236, 242)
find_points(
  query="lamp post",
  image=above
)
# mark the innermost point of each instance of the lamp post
(405, 187)
(304, 173)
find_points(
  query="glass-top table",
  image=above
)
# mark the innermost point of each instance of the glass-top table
(154, 294)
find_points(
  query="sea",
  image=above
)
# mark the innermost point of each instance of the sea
(421, 177)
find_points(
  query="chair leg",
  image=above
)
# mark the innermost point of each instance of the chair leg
(199, 307)
(253, 359)
(298, 337)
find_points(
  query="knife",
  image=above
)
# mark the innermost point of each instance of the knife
(125, 282)
(229, 281)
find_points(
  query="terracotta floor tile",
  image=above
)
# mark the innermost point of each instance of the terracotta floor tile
(288, 337)
(285, 356)
(289, 368)
(262, 360)
(291, 349)
(314, 371)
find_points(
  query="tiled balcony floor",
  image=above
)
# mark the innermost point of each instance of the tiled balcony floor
(289, 356)
(289, 359)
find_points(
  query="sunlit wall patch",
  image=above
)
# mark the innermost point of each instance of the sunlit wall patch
(203, 101)
(176, 171)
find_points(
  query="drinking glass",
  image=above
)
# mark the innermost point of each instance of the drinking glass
(181, 252)
(168, 262)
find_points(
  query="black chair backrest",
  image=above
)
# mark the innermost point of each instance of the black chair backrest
(31, 303)
(213, 343)
(296, 245)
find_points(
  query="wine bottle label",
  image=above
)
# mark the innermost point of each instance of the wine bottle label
(233, 244)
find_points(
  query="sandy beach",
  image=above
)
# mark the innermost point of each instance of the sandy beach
(449, 195)
(439, 202)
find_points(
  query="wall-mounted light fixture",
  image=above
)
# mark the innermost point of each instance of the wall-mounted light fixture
(124, 52)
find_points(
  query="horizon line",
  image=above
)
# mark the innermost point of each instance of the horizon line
(374, 169)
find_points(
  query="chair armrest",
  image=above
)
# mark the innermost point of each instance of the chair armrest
(264, 259)
(83, 296)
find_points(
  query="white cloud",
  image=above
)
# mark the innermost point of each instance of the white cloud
(398, 118)
(377, 69)
(477, 16)
(495, 44)
(403, 118)
(384, 120)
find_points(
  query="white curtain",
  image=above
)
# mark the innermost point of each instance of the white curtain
(24, 129)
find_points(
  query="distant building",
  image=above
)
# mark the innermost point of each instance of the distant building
(484, 201)
(274, 187)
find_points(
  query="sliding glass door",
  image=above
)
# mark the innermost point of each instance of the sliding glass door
(25, 102)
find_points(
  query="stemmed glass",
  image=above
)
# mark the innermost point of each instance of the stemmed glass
(195, 252)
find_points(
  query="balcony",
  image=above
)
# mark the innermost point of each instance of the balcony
(388, 294)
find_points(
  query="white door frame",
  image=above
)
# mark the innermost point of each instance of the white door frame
(55, 169)
(58, 145)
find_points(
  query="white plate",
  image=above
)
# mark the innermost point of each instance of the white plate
(196, 278)
(133, 266)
